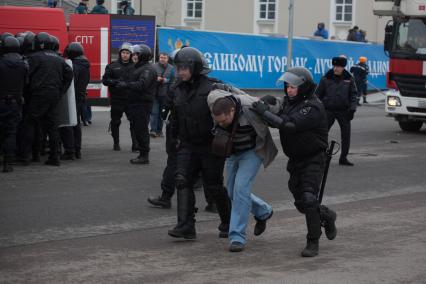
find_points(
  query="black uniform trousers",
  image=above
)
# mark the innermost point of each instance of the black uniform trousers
(139, 118)
(9, 119)
(189, 165)
(42, 110)
(117, 110)
(305, 177)
(168, 183)
(345, 129)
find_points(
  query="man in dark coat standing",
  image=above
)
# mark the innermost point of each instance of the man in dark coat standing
(338, 93)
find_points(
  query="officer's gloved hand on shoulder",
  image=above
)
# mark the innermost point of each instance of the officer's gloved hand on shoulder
(259, 107)
(351, 114)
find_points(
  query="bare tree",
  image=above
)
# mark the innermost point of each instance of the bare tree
(165, 11)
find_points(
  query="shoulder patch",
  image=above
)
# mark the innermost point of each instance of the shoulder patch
(305, 110)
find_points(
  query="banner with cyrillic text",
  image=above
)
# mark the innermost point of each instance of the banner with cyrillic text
(257, 61)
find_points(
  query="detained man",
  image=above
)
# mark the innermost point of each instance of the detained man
(252, 145)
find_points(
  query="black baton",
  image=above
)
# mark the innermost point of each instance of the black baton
(329, 153)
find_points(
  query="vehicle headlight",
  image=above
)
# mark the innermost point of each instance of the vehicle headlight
(394, 101)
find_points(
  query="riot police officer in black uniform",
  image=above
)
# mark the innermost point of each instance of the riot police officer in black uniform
(13, 76)
(50, 77)
(119, 71)
(141, 87)
(71, 136)
(302, 123)
(192, 124)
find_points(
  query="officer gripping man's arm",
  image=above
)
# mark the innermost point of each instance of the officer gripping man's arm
(302, 123)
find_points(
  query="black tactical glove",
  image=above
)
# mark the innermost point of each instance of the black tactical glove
(259, 107)
(121, 84)
(113, 82)
(351, 114)
(270, 100)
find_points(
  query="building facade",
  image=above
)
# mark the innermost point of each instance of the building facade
(263, 16)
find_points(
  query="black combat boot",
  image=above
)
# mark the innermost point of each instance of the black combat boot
(52, 162)
(312, 247)
(313, 223)
(162, 201)
(117, 147)
(142, 159)
(328, 221)
(7, 168)
(68, 156)
(364, 100)
(345, 162)
(78, 154)
(186, 215)
(223, 204)
(223, 230)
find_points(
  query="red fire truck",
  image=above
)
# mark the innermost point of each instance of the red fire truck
(100, 35)
(405, 42)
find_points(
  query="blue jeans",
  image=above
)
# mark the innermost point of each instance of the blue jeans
(156, 123)
(241, 170)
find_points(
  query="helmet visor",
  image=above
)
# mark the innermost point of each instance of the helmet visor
(291, 79)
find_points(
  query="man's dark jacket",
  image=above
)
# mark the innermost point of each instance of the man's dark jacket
(337, 93)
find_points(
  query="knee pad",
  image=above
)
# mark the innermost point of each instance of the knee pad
(307, 201)
(180, 181)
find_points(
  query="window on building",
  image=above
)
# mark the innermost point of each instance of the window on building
(267, 9)
(116, 9)
(194, 9)
(343, 10)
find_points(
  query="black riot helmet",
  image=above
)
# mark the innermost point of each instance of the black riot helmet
(100, 2)
(10, 44)
(3, 36)
(28, 44)
(143, 52)
(301, 78)
(54, 43)
(191, 58)
(42, 41)
(73, 50)
(21, 43)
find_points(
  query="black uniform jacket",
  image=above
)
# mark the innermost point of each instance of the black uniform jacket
(115, 72)
(309, 136)
(81, 69)
(142, 84)
(49, 73)
(191, 121)
(13, 76)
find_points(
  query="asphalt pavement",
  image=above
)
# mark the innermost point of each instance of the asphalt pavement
(88, 221)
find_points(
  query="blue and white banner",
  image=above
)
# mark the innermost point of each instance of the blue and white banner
(256, 61)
